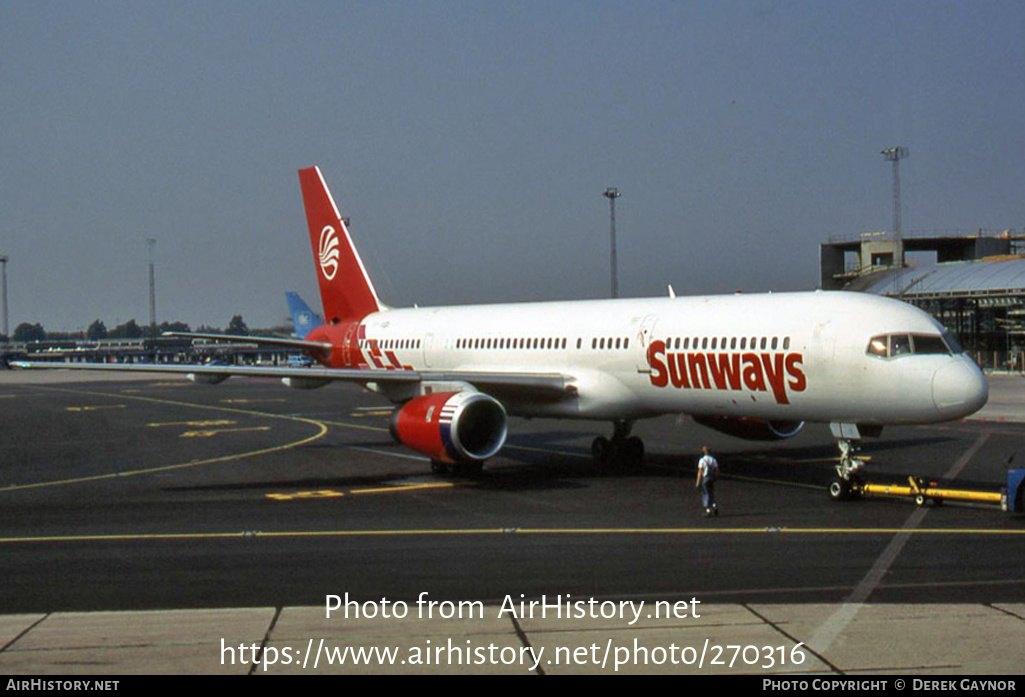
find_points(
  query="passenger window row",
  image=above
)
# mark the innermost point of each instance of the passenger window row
(389, 344)
(521, 343)
(597, 343)
(715, 343)
(541, 343)
(609, 343)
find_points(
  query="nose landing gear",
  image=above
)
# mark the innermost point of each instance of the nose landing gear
(847, 483)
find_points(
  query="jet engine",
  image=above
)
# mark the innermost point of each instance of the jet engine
(451, 427)
(300, 383)
(208, 378)
(751, 429)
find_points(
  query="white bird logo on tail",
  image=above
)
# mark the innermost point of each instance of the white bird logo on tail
(328, 252)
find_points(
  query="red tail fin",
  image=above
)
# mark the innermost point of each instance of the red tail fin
(345, 288)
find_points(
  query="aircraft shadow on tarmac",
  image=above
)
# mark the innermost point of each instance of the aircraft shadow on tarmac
(807, 465)
(528, 464)
(815, 465)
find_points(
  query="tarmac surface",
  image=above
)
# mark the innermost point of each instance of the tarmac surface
(152, 526)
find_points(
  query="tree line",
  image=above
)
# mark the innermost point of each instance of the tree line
(27, 331)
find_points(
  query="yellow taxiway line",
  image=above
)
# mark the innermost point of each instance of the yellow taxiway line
(442, 532)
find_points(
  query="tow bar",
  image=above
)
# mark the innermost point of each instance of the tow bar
(1009, 498)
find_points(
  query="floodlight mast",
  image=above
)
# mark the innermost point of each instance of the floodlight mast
(895, 155)
(3, 262)
(612, 194)
(151, 243)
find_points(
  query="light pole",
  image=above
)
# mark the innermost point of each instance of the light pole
(151, 243)
(612, 194)
(3, 262)
(895, 155)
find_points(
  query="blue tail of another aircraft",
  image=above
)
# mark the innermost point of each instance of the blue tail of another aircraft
(304, 320)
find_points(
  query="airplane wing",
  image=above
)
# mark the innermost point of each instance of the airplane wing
(554, 386)
(259, 340)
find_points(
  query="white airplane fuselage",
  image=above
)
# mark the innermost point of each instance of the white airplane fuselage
(785, 356)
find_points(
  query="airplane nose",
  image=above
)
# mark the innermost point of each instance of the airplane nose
(959, 389)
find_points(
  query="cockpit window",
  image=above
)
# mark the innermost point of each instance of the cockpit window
(877, 346)
(895, 345)
(952, 343)
(930, 344)
(900, 344)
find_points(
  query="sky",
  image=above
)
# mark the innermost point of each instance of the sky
(470, 143)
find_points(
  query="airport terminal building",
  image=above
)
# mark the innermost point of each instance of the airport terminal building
(974, 283)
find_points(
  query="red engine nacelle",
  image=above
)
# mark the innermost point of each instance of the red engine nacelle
(207, 378)
(451, 427)
(751, 429)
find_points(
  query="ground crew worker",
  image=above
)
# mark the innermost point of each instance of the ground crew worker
(708, 472)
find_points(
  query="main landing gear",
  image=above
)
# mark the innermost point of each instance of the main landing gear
(621, 453)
